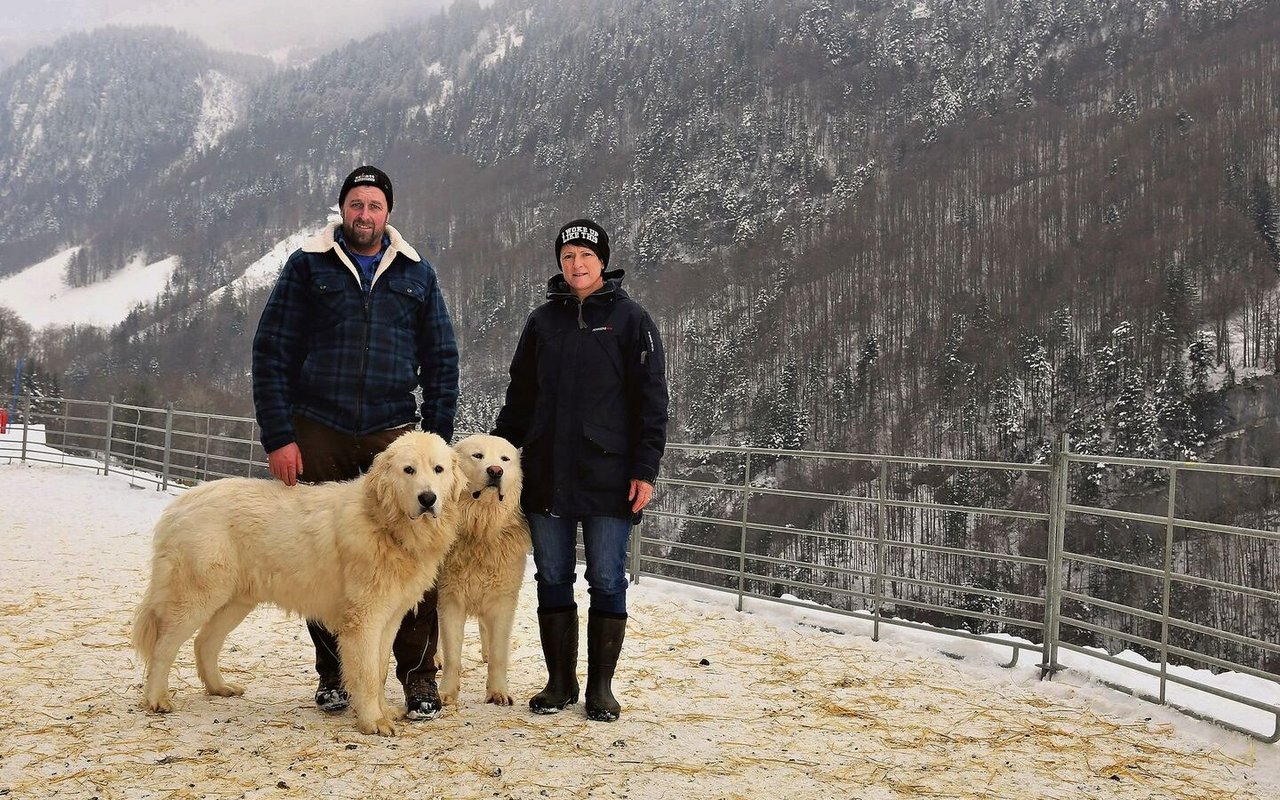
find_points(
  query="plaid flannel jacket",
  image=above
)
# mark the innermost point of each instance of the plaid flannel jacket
(329, 352)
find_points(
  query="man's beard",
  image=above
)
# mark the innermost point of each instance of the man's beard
(363, 239)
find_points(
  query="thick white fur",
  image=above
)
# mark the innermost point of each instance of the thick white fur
(354, 556)
(482, 574)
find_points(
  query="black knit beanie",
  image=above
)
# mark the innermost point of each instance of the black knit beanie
(587, 233)
(366, 176)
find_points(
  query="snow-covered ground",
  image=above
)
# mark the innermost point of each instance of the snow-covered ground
(774, 702)
(40, 296)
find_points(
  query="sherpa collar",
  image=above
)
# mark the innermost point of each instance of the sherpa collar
(325, 241)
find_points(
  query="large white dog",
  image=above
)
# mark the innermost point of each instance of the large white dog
(482, 574)
(354, 556)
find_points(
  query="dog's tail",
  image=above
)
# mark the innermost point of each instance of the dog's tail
(146, 620)
(146, 629)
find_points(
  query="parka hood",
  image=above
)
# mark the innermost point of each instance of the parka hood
(558, 288)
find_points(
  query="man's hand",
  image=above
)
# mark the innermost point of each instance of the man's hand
(286, 463)
(641, 494)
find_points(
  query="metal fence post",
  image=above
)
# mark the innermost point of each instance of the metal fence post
(208, 443)
(168, 442)
(26, 427)
(742, 540)
(253, 438)
(638, 531)
(1053, 566)
(1168, 583)
(66, 420)
(133, 457)
(111, 424)
(882, 526)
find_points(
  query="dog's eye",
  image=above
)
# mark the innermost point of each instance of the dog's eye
(477, 455)
(506, 458)
(409, 470)
(439, 469)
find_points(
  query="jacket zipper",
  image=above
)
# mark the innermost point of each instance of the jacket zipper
(364, 358)
(366, 304)
(367, 307)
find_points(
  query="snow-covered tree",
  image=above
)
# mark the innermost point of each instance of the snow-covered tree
(781, 418)
(1134, 419)
(865, 379)
(1265, 210)
(944, 107)
(1111, 363)
(1179, 437)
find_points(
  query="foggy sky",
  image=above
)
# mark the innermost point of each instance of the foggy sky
(271, 28)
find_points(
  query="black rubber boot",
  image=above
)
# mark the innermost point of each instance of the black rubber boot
(558, 629)
(604, 642)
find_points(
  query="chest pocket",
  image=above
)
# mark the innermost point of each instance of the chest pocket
(405, 299)
(606, 342)
(330, 300)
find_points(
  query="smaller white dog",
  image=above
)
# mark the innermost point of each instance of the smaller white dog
(482, 574)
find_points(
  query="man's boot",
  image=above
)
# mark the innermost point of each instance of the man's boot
(415, 653)
(558, 629)
(331, 696)
(604, 642)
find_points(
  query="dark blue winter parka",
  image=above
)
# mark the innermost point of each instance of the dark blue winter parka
(351, 360)
(587, 401)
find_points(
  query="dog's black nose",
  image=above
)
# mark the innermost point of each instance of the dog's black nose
(495, 471)
(427, 499)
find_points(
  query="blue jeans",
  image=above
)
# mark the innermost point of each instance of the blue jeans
(605, 540)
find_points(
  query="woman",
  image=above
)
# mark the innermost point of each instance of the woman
(587, 403)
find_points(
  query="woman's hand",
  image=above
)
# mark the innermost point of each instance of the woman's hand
(641, 494)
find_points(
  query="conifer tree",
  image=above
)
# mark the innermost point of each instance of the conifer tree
(1179, 437)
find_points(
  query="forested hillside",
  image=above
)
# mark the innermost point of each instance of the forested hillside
(949, 227)
(939, 228)
(89, 122)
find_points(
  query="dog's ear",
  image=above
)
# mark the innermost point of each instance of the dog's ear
(515, 475)
(460, 481)
(376, 481)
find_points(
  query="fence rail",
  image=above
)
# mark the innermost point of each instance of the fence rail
(993, 552)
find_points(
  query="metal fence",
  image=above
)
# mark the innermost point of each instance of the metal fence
(161, 446)
(1000, 553)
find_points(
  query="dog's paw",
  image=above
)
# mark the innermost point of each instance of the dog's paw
(161, 706)
(225, 690)
(499, 698)
(381, 727)
(449, 692)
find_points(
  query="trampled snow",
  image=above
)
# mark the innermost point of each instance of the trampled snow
(775, 701)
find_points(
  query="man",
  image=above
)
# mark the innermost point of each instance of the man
(356, 322)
